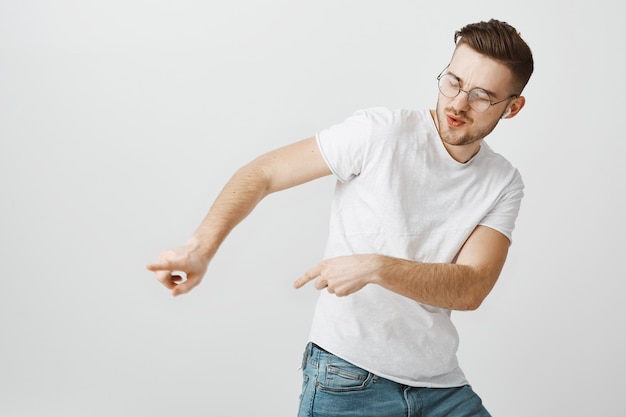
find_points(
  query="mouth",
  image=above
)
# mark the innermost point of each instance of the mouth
(454, 121)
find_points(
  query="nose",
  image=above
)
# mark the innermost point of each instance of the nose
(461, 101)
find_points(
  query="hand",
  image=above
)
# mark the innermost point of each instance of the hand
(343, 275)
(180, 269)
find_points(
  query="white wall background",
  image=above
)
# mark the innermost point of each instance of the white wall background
(120, 121)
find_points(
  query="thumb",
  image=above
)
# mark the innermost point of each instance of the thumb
(185, 287)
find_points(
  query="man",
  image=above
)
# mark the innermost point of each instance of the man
(421, 223)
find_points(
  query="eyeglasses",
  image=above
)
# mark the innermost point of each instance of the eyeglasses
(477, 98)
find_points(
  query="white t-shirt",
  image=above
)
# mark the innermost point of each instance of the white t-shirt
(399, 193)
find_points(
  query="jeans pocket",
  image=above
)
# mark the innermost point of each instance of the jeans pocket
(343, 376)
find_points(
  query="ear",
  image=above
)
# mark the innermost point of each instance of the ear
(514, 107)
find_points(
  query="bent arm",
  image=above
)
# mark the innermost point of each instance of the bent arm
(462, 285)
(459, 286)
(283, 168)
(277, 170)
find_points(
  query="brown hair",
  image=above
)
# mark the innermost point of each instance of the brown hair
(502, 42)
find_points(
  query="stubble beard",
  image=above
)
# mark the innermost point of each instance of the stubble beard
(460, 138)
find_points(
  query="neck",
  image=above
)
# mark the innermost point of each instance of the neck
(460, 153)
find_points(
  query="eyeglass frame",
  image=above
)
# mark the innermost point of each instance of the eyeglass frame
(441, 74)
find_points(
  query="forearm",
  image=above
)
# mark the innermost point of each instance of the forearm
(277, 170)
(462, 285)
(283, 168)
(451, 286)
(182, 268)
(246, 188)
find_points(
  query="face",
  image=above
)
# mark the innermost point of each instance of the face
(461, 128)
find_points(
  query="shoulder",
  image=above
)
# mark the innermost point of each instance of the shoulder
(395, 121)
(492, 160)
(378, 125)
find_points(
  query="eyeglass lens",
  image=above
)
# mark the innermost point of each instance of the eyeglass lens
(478, 98)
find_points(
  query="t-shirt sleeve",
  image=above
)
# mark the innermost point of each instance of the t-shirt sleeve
(504, 213)
(344, 145)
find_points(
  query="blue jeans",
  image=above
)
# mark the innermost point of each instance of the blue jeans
(334, 387)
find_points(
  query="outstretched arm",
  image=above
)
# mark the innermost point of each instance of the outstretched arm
(277, 170)
(462, 285)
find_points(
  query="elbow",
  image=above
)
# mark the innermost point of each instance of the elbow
(482, 285)
(474, 300)
(256, 177)
(262, 171)
(465, 302)
(472, 304)
(468, 303)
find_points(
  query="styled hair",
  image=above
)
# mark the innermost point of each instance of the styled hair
(501, 42)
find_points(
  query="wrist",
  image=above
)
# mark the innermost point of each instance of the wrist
(201, 246)
(383, 268)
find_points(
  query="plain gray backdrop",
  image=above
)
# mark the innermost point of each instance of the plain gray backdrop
(120, 121)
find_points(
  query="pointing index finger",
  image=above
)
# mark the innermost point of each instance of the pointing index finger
(165, 264)
(158, 266)
(309, 275)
